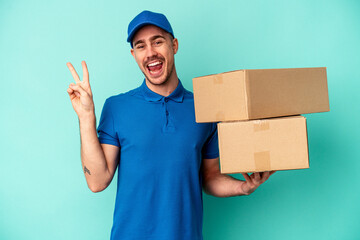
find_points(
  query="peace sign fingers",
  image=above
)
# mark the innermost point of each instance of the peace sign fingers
(80, 92)
(85, 81)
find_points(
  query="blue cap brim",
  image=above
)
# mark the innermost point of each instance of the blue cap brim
(137, 28)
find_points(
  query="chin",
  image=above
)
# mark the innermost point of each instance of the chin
(157, 81)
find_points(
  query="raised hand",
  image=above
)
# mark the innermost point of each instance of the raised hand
(253, 181)
(80, 92)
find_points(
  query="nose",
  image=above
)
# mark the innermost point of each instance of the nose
(150, 52)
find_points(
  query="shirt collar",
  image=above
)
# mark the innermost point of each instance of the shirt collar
(177, 95)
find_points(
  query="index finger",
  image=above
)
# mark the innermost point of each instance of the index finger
(73, 72)
(85, 71)
(267, 174)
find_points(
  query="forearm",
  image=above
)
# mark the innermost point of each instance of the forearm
(221, 185)
(93, 160)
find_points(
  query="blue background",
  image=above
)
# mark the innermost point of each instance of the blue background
(43, 193)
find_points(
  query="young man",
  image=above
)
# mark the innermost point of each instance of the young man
(164, 158)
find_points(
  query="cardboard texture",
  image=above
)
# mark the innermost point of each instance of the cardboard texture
(256, 94)
(263, 145)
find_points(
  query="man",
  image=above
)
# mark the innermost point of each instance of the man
(163, 156)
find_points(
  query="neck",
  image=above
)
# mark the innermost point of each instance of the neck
(167, 87)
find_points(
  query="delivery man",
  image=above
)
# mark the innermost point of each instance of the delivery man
(164, 158)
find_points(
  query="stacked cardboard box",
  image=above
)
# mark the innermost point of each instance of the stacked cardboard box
(258, 113)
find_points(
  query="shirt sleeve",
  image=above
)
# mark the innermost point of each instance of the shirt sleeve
(106, 130)
(211, 147)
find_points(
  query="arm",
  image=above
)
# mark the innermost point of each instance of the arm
(221, 185)
(99, 161)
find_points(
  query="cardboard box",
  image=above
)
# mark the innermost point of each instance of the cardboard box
(263, 145)
(256, 94)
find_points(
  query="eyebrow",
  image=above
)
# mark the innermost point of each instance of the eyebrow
(137, 42)
(156, 36)
(151, 39)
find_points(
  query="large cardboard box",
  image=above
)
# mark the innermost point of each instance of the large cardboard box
(256, 94)
(263, 145)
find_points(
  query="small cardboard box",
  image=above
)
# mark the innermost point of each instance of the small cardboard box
(263, 145)
(256, 94)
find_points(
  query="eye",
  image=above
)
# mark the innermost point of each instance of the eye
(158, 42)
(139, 46)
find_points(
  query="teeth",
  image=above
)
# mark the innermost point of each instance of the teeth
(154, 64)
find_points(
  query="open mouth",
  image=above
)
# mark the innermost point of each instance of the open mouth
(155, 68)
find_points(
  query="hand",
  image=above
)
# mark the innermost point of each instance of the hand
(253, 181)
(80, 93)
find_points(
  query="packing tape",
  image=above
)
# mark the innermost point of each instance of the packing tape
(218, 79)
(261, 125)
(220, 115)
(262, 161)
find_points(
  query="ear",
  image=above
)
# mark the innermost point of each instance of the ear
(175, 45)
(132, 52)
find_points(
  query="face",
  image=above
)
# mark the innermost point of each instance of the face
(154, 50)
